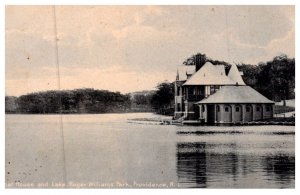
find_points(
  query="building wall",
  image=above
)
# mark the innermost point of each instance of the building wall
(257, 110)
(179, 103)
(268, 111)
(237, 113)
(248, 113)
(190, 111)
(228, 113)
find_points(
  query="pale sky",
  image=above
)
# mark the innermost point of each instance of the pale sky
(132, 48)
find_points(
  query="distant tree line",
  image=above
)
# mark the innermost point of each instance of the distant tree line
(93, 101)
(141, 101)
(69, 101)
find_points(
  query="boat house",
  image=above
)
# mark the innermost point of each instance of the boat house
(207, 94)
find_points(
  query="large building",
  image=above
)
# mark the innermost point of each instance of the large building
(207, 94)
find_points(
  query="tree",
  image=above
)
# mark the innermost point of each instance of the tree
(200, 59)
(275, 79)
(11, 104)
(164, 96)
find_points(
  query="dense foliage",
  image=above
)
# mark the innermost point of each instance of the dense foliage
(202, 59)
(141, 101)
(163, 99)
(71, 101)
(275, 79)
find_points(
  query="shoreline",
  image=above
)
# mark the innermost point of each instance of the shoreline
(74, 113)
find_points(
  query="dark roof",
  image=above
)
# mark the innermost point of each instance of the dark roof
(235, 94)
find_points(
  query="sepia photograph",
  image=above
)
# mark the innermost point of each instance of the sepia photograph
(149, 96)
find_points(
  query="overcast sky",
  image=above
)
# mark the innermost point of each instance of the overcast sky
(132, 48)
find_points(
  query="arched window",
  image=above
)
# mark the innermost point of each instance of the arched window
(248, 109)
(226, 109)
(237, 108)
(257, 108)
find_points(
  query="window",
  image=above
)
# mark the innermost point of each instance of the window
(195, 91)
(248, 109)
(218, 108)
(203, 108)
(226, 108)
(268, 108)
(257, 109)
(237, 109)
(212, 89)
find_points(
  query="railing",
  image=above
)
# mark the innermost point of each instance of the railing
(191, 97)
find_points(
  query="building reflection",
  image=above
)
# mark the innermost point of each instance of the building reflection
(200, 165)
(191, 164)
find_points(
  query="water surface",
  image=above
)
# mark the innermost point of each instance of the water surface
(104, 150)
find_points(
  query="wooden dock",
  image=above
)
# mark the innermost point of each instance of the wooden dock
(197, 122)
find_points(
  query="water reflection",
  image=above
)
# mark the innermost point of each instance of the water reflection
(280, 167)
(206, 132)
(199, 165)
(191, 164)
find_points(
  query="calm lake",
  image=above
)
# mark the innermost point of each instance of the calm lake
(105, 150)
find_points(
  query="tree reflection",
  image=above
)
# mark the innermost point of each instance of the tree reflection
(280, 167)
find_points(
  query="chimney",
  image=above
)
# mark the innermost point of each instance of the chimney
(200, 60)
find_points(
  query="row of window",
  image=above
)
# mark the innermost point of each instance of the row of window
(248, 108)
(238, 108)
(197, 90)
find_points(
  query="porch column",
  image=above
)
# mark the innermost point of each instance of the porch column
(205, 108)
(176, 107)
(253, 112)
(186, 108)
(221, 113)
(200, 110)
(263, 111)
(243, 112)
(207, 91)
(272, 111)
(215, 113)
(232, 113)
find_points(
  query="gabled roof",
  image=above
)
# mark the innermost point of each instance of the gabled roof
(183, 70)
(220, 69)
(235, 75)
(210, 74)
(235, 94)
